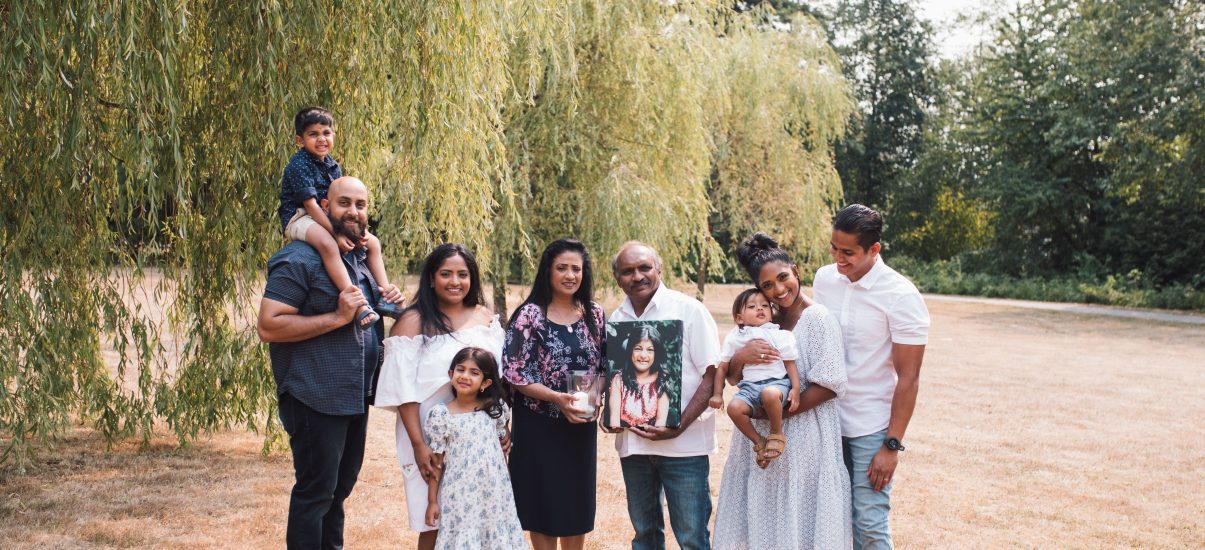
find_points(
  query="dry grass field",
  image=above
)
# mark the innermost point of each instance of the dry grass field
(1034, 429)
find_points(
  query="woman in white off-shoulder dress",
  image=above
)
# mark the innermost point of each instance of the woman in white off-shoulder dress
(802, 499)
(448, 314)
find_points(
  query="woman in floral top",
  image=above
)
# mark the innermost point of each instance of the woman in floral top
(558, 329)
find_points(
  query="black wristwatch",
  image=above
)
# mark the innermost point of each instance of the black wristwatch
(893, 444)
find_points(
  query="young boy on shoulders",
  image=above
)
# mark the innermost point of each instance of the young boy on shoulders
(305, 183)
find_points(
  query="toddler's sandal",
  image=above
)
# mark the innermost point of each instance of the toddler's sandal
(776, 446)
(758, 449)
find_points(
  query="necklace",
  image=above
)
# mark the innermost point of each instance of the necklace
(569, 316)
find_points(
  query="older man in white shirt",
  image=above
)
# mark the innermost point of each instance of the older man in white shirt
(885, 326)
(674, 459)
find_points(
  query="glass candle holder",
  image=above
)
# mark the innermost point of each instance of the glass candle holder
(585, 388)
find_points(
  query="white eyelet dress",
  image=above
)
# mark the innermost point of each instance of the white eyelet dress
(802, 499)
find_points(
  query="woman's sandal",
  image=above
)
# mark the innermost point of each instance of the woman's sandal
(776, 444)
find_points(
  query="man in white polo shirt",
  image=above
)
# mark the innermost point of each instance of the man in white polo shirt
(674, 459)
(885, 326)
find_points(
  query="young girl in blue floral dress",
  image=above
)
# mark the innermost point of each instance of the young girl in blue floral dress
(471, 501)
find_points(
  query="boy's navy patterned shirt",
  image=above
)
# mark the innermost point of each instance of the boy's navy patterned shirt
(306, 176)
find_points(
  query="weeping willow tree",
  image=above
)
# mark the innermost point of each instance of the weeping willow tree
(683, 125)
(782, 103)
(612, 143)
(143, 143)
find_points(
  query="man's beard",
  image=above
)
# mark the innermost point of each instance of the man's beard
(342, 227)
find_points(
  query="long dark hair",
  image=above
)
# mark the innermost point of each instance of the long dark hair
(541, 288)
(494, 395)
(431, 319)
(650, 333)
(757, 251)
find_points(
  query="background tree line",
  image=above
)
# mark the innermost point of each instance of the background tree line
(1062, 159)
(152, 134)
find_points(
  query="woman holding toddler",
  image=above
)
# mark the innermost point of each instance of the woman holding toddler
(800, 500)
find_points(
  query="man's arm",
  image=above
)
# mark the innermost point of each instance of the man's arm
(280, 322)
(695, 408)
(907, 360)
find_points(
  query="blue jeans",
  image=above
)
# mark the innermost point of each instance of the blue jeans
(684, 480)
(870, 507)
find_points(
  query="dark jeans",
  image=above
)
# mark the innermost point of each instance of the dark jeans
(686, 492)
(327, 454)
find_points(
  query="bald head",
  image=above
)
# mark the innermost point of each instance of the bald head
(637, 270)
(347, 184)
(628, 247)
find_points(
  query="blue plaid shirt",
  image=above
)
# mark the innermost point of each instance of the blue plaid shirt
(329, 372)
(306, 177)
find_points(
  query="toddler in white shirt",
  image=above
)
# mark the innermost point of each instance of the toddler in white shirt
(763, 386)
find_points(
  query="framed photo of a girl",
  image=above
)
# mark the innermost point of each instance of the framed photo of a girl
(644, 374)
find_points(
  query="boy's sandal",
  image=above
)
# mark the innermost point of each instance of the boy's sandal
(367, 317)
(776, 445)
(387, 309)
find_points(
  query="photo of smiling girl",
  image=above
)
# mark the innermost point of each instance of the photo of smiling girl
(645, 374)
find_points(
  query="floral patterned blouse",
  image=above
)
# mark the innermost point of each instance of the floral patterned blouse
(539, 351)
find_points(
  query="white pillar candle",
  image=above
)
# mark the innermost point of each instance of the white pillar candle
(581, 400)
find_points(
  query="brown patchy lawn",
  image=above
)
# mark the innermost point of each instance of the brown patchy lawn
(1033, 429)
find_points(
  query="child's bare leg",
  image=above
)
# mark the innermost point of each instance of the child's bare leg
(741, 413)
(376, 262)
(322, 241)
(771, 400)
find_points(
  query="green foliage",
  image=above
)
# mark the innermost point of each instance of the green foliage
(782, 103)
(960, 275)
(1088, 117)
(952, 225)
(611, 144)
(143, 144)
(1076, 134)
(934, 212)
(887, 55)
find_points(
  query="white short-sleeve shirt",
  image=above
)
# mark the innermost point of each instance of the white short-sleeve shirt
(782, 340)
(880, 309)
(701, 349)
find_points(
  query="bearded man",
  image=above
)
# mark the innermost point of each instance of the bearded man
(325, 367)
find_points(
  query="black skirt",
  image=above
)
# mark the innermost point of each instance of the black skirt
(553, 471)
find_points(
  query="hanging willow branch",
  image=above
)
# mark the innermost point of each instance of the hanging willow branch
(143, 143)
